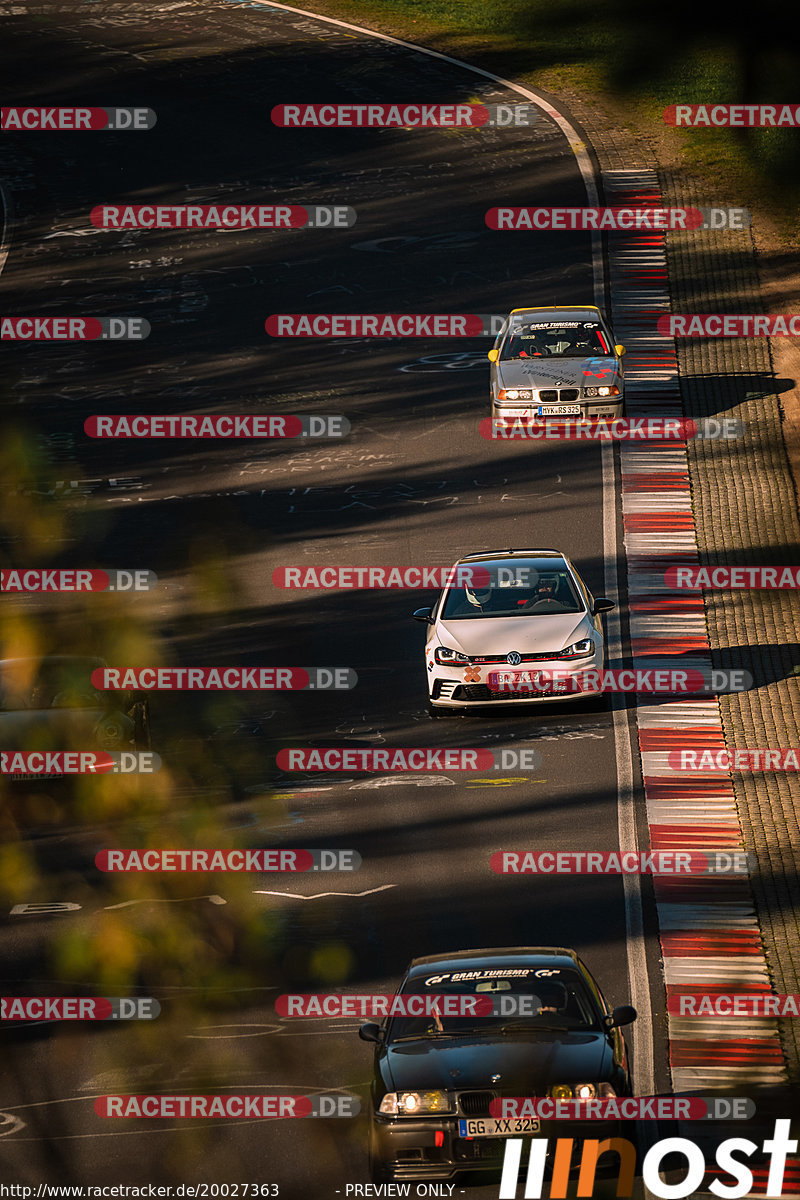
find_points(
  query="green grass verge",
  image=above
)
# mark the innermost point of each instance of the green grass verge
(633, 60)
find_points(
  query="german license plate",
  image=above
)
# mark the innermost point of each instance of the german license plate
(513, 679)
(476, 1127)
(559, 410)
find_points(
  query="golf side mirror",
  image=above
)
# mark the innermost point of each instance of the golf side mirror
(602, 605)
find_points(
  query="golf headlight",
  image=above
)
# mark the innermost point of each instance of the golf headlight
(447, 657)
(412, 1104)
(578, 649)
(515, 394)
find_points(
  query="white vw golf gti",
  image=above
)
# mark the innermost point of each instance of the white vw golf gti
(502, 618)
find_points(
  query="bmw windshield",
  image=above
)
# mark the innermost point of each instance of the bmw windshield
(551, 339)
(524, 1000)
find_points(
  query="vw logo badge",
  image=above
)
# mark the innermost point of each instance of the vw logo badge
(513, 658)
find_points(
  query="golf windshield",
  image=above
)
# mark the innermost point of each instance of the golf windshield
(518, 588)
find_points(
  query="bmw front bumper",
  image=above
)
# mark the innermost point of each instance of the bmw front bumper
(406, 1149)
(608, 409)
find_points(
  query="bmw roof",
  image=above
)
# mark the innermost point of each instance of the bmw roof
(512, 956)
(488, 554)
(581, 312)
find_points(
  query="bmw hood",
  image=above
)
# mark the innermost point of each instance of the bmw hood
(528, 635)
(526, 1064)
(557, 372)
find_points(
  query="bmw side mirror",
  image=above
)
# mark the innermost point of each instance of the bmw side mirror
(624, 1014)
(423, 614)
(619, 351)
(602, 605)
(493, 355)
(371, 1033)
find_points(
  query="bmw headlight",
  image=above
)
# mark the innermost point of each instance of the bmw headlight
(447, 657)
(582, 1091)
(412, 1104)
(601, 391)
(582, 649)
(515, 394)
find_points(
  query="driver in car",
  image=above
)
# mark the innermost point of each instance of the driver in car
(478, 597)
(527, 343)
(545, 597)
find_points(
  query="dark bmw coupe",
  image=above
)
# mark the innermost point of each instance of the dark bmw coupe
(550, 1033)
